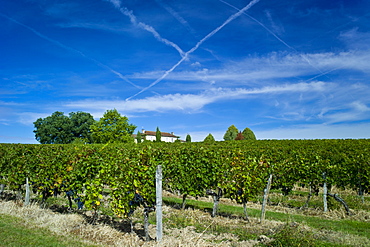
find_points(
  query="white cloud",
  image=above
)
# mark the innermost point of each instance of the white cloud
(27, 118)
(193, 102)
(116, 3)
(97, 26)
(70, 49)
(196, 64)
(354, 111)
(176, 15)
(134, 21)
(197, 45)
(317, 131)
(356, 39)
(360, 106)
(187, 102)
(271, 67)
(276, 27)
(305, 131)
(11, 103)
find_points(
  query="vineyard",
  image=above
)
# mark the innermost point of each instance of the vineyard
(237, 170)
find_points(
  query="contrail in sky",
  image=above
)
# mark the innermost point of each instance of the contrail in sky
(133, 20)
(70, 49)
(231, 18)
(261, 24)
(176, 15)
(324, 73)
(277, 37)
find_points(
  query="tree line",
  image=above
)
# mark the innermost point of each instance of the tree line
(81, 128)
(233, 134)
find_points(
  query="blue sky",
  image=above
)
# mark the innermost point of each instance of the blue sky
(285, 69)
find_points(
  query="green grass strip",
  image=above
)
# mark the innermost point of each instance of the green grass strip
(13, 232)
(346, 226)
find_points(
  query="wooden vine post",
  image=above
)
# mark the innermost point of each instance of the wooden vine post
(28, 193)
(158, 179)
(265, 197)
(245, 210)
(360, 191)
(325, 193)
(2, 186)
(216, 199)
(309, 197)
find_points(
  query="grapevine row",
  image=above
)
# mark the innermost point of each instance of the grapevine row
(238, 169)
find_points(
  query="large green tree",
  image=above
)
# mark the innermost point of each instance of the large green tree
(61, 129)
(248, 134)
(231, 133)
(81, 122)
(112, 128)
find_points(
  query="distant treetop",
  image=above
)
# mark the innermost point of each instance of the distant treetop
(231, 133)
(209, 139)
(248, 134)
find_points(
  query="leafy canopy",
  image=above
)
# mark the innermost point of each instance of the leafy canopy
(209, 138)
(112, 128)
(61, 129)
(248, 134)
(188, 138)
(81, 122)
(231, 133)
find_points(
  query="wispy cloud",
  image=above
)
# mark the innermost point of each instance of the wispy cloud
(273, 66)
(28, 118)
(134, 21)
(297, 69)
(351, 112)
(193, 102)
(97, 26)
(356, 39)
(176, 15)
(261, 24)
(317, 131)
(43, 36)
(276, 27)
(208, 36)
(11, 103)
(55, 42)
(275, 35)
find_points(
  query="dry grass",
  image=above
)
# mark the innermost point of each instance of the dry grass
(105, 235)
(108, 232)
(332, 214)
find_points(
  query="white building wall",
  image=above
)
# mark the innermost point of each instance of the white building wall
(167, 139)
(163, 138)
(150, 138)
